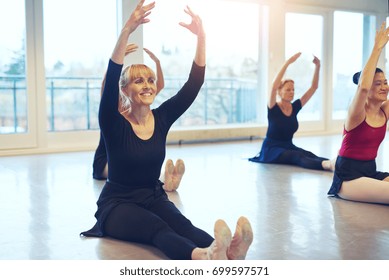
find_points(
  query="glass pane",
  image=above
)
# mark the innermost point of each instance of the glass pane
(13, 97)
(229, 95)
(78, 43)
(387, 53)
(358, 31)
(304, 33)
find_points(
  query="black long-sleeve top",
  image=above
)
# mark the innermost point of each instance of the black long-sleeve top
(132, 161)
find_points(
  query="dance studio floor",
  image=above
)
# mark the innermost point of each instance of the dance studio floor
(47, 200)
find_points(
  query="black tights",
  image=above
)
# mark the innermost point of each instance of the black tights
(301, 158)
(160, 224)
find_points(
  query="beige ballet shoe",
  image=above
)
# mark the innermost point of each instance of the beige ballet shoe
(329, 164)
(168, 180)
(178, 172)
(218, 248)
(243, 237)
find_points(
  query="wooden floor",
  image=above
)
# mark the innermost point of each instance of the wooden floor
(47, 200)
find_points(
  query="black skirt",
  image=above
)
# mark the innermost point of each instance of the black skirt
(347, 169)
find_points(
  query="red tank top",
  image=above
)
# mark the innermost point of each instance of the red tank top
(362, 142)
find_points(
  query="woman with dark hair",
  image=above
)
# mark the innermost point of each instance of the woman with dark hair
(356, 177)
(132, 205)
(278, 145)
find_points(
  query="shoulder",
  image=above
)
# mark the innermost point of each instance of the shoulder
(114, 70)
(297, 104)
(275, 107)
(385, 108)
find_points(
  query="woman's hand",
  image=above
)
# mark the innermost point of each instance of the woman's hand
(151, 55)
(160, 78)
(382, 36)
(316, 61)
(293, 58)
(196, 26)
(130, 49)
(139, 15)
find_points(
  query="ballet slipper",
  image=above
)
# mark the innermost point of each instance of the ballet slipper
(329, 164)
(178, 172)
(168, 180)
(243, 237)
(333, 163)
(218, 248)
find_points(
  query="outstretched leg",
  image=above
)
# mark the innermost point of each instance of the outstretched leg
(366, 190)
(243, 237)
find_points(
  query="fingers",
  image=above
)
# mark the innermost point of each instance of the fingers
(145, 8)
(130, 48)
(196, 25)
(382, 36)
(147, 51)
(189, 11)
(294, 57)
(183, 24)
(151, 54)
(141, 12)
(140, 4)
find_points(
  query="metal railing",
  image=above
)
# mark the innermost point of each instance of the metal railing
(73, 102)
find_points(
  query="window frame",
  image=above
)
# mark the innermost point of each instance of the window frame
(39, 140)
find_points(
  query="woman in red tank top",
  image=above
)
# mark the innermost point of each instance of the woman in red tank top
(356, 177)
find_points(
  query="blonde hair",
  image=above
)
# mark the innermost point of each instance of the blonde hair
(129, 74)
(283, 83)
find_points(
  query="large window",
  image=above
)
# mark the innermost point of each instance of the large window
(229, 95)
(79, 37)
(13, 96)
(353, 38)
(54, 54)
(387, 54)
(304, 33)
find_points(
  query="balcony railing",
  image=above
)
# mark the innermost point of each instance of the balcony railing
(72, 103)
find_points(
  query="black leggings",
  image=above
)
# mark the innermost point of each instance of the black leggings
(302, 158)
(160, 224)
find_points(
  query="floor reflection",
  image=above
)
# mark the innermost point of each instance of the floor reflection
(47, 200)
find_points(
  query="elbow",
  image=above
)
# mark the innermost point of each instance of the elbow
(314, 88)
(363, 89)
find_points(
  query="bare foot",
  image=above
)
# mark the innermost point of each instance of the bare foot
(178, 172)
(168, 180)
(218, 248)
(243, 237)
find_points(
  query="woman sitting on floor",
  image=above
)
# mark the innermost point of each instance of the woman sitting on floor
(133, 205)
(356, 176)
(278, 145)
